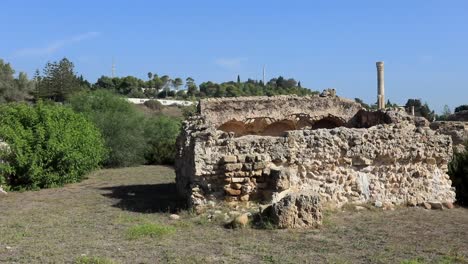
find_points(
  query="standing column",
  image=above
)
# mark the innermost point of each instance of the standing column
(380, 85)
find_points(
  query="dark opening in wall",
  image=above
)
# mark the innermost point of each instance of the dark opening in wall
(328, 123)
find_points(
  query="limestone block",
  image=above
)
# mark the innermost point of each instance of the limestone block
(231, 191)
(280, 180)
(233, 166)
(298, 210)
(230, 159)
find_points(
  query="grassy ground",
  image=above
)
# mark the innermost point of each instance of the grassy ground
(122, 216)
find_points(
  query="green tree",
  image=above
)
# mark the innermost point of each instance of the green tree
(14, 89)
(177, 82)
(445, 113)
(59, 81)
(161, 133)
(461, 108)
(192, 89)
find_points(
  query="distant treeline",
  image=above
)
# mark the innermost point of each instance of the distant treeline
(164, 86)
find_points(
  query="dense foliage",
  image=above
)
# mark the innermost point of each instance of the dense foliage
(13, 89)
(49, 145)
(131, 137)
(59, 81)
(120, 123)
(161, 134)
(458, 171)
(420, 109)
(461, 108)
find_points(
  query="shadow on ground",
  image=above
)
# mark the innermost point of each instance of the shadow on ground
(147, 198)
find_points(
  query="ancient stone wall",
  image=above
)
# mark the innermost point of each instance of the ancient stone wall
(379, 157)
(457, 130)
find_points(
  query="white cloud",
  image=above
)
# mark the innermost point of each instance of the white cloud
(230, 63)
(56, 45)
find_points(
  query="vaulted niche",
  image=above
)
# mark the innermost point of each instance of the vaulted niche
(237, 127)
(266, 126)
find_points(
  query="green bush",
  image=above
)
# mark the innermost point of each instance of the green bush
(188, 111)
(121, 125)
(153, 105)
(458, 171)
(161, 134)
(49, 145)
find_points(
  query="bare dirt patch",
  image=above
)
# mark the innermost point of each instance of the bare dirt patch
(92, 219)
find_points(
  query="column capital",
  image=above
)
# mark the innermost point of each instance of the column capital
(380, 65)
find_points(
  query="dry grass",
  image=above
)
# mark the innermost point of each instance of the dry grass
(89, 222)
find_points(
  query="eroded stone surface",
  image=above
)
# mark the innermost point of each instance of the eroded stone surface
(457, 130)
(385, 156)
(297, 210)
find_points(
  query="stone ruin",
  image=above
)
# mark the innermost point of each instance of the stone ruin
(267, 149)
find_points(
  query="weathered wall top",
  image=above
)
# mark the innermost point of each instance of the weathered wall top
(218, 111)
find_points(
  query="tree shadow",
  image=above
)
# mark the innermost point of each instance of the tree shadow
(147, 198)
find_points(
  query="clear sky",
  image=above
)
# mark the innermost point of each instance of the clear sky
(424, 43)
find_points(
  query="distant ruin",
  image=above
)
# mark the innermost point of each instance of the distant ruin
(264, 148)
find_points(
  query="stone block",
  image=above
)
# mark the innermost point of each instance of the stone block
(237, 174)
(297, 210)
(233, 166)
(230, 159)
(238, 180)
(259, 165)
(236, 186)
(231, 191)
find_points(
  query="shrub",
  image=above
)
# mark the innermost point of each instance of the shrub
(161, 134)
(121, 125)
(188, 111)
(458, 171)
(49, 145)
(154, 105)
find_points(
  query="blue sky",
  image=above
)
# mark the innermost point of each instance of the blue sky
(323, 44)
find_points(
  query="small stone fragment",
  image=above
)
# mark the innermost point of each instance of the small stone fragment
(240, 221)
(426, 205)
(2, 192)
(436, 206)
(378, 204)
(174, 217)
(448, 205)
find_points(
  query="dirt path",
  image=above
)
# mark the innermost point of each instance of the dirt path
(90, 221)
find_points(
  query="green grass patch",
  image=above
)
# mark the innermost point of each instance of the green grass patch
(418, 260)
(93, 260)
(149, 230)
